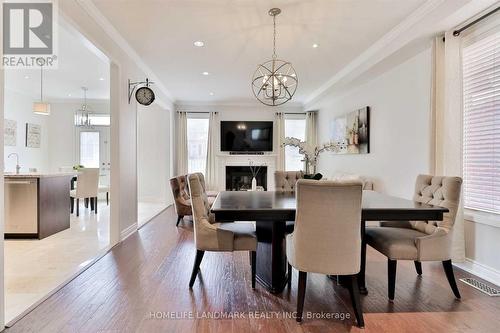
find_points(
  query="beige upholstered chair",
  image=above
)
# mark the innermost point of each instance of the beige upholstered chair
(217, 236)
(284, 181)
(421, 240)
(87, 188)
(182, 200)
(327, 235)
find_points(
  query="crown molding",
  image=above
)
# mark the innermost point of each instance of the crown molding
(110, 30)
(235, 103)
(368, 57)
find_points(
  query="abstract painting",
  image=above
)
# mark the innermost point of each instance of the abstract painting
(353, 130)
(33, 135)
(10, 132)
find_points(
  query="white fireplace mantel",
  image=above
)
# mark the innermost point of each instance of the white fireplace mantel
(226, 159)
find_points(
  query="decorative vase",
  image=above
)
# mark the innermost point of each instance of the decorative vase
(254, 184)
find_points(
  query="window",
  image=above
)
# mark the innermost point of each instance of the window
(295, 126)
(197, 136)
(481, 146)
(89, 149)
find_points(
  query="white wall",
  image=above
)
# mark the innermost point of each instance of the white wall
(19, 107)
(400, 130)
(62, 150)
(153, 154)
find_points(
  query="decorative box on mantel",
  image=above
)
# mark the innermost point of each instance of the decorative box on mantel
(223, 160)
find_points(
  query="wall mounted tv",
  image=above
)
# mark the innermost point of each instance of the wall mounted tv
(246, 136)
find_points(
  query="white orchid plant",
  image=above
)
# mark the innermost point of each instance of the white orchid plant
(311, 152)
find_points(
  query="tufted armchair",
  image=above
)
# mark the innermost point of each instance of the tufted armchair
(285, 181)
(182, 200)
(421, 240)
(211, 236)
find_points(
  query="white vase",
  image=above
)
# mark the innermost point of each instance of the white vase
(254, 184)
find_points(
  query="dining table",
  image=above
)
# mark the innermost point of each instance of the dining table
(271, 210)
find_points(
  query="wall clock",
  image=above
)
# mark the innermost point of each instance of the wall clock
(145, 96)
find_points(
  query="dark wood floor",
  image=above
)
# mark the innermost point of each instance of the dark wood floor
(149, 273)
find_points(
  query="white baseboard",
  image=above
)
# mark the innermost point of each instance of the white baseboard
(482, 271)
(124, 234)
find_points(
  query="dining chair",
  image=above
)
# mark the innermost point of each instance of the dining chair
(182, 200)
(284, 181)
(87, 188)
(218, 237)
(421, 240)
(327, 235)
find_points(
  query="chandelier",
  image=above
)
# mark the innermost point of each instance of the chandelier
(82, 115)
(275, 81)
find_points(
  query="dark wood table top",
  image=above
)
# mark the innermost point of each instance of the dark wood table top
(268, 205)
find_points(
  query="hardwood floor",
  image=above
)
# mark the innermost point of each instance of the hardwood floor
(145, 279)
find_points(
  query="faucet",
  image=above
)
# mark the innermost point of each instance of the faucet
(18, 167)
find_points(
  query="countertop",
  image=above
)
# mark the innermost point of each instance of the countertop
(38, 174)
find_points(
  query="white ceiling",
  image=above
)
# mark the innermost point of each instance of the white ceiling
(80, 65)
(238, 36)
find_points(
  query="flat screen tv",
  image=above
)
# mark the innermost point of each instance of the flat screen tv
(246, 136)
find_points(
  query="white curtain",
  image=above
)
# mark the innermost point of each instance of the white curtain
(447, 122)
(182, 144)
(280, 130)
(312, 128)
(211, 167)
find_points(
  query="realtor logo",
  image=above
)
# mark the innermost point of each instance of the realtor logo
(28, 34)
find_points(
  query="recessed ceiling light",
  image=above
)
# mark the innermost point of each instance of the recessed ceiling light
(69, 95)
(26, 77)
(101, 79)
(211, 94)
(315, 45)
(205, 73)
(199, 43)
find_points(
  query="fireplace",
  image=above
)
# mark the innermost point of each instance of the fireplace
(239, 178)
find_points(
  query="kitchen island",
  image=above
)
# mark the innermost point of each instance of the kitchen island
(37, 205)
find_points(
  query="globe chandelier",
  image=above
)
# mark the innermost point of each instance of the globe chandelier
(275, 81)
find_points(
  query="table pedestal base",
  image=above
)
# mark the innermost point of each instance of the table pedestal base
(271, 270)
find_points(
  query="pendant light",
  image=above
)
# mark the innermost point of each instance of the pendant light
(275, 81)
(82, 116)
(41, 107)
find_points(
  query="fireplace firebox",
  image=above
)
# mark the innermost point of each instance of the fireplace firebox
(239, 178)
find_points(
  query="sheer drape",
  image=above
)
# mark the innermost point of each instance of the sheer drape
(211, 168)
(182, 144)
(280, 134)
(311, 128)
(447, 115)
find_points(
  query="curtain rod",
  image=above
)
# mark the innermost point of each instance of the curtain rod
(457, 32)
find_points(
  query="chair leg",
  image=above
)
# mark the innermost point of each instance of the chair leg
(107, 198)
(72, 200)
(196, 266)
(253, 255)
(95, 205)
(86, 203)
(77, 207)
(418, 267)
(289, 275)
(356, 304)
(301, 295)
(91, 204)
(391, 275)
(448, 269)
(179, 218)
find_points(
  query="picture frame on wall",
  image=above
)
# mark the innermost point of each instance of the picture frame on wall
(33, 135)
(10, 133)
(352, 129)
